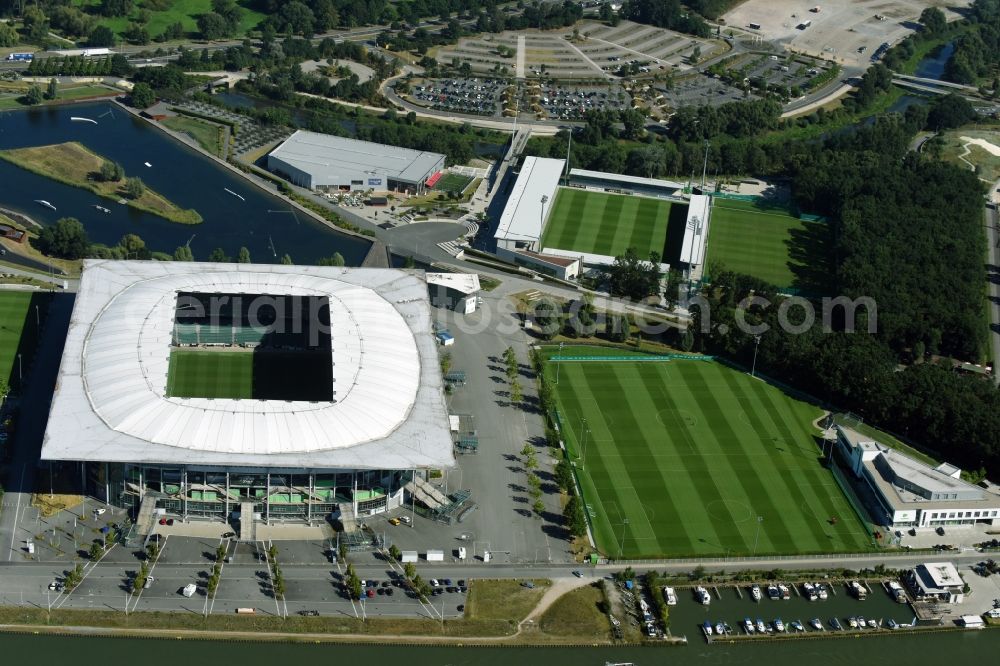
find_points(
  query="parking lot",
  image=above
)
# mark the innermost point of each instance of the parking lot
(838, 30)
(652, 49)
(569, 102)
(474, 96)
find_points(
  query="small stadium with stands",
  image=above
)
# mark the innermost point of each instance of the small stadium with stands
(684, 456)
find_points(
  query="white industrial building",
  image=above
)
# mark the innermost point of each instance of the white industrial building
(909, 493)
(531, 198)
(215, 458)
(455, 291)
(326, 162)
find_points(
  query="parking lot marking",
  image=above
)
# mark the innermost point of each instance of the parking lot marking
(149, 574)
(210, 608)
(86, 572)
(270, 576)
(17, 509)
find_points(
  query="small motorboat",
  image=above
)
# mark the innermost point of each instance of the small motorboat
(779, 626)
(892, 624)
(670, 596)
(862, 623)
(45, 203)
(707, 628)
(872, 624)
(748, 625)
(147, 164)
(703, 596)
(852, 622)
(809, 592)
(816, 624)
(786, 594)
(240, 197)
(835, 623)
(755, 592)
(773, 593)
(795, 625)
(822, 592)
(78, 119)
(761, 627)
(720, 628)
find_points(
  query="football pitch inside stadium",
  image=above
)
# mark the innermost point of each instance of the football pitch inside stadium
(747, 238)
(246, 375)
(689, 457)
(14, 313)
(608, 224)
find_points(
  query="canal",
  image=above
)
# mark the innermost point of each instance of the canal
(913, 650)
(264, 223)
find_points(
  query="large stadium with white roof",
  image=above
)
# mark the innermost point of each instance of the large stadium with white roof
(212, 390)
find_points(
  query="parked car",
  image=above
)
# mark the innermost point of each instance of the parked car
(309, 613)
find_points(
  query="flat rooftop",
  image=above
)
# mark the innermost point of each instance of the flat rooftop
(465, 283)
(111, 402)
(622, 178)
(318, 153)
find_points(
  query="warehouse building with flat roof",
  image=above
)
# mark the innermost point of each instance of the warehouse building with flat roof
(326, 162)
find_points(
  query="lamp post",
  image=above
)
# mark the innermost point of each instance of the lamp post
(760, 519)
(753, 369)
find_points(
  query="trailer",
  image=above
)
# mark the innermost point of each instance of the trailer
(435, 556)
(409, 556)
(21, 57)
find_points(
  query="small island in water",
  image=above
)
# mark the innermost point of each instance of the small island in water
(73, 164)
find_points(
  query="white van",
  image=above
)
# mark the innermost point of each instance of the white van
(189, 590)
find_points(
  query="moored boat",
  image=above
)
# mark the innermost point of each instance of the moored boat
(852, 622)
(835, 623)
(773, 592)
(720, 629)
(779, 626)
(786, 593)
(702, 595)
(748, 625)
(795, 625)
(670, 596)
(755, 592)
(761, 627)
(809, 592)
(857, 590)
(707, 628)
(816, 624)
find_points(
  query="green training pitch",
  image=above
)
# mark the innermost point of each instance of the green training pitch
(746, 238)
(690, 453)
(608, 224)
(244, 375)
(14, 306)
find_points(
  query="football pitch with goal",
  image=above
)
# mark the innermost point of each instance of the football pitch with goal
(747, 238)
(14, 306)
(607, 224)
(687, 457)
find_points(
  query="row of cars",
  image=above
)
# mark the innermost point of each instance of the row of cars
(566, 103)
(462, 95)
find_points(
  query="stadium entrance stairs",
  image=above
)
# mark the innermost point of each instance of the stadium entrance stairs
(427, 494)
(146, 519)
(247, 523)
(348, 521)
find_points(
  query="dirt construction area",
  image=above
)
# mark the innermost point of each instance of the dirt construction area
(847, 32)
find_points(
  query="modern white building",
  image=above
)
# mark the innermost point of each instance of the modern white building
(653, 187)
(936, 581)
(326, 162)
(564, 268)
(909, 493)
(380, 422)
(455, 291)
(696, 234)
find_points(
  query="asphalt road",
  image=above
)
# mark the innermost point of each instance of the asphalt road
(992, 221)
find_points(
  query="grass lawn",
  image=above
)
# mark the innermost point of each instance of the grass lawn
(959, 150)
(73, 164)
(14, 306)
(503, 599)
(244, 374)
(452, 182)
(765, 242)
(185, 11)
(607, 224)
(690, 453)
(575, 615)
(12, 101)
(208, 135)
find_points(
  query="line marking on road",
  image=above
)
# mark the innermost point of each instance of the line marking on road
(17, 509)
(150, 572)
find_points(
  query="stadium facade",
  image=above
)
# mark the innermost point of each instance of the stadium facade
(326, 162)
(207, 390)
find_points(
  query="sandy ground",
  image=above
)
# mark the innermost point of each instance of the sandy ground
(559, 587)
(840, 28)
(991, 148)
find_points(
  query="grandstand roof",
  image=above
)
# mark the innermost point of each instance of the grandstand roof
(522, 216)
(313, 152)
(110, 401)
(622, 178)
(696, 230)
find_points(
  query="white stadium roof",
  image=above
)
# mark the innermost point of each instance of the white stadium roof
(110, 402)
(696, 230)
(522, 216)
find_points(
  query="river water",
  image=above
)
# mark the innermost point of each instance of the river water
(929, 649)
(180, 173)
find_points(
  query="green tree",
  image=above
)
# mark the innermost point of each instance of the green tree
(36, 25)
(183, 253)
(142, 96)
(33, 96)
(52, 90)
(67, 239)
(111, 171)
(8, 35)
(212, 26)
(336, 260)
(140, 579)
(516, 392)
(445, 362)
(134, 187)
(933, 21)
(409, 570)
(633, 277)
(4, 392)
(96, 550)
(243, 256)
(576, 522)
(101, 36)
(564, 474)
(395, 553)
(539, 507)
(219, 255)
(133, 247)
(286, 260)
